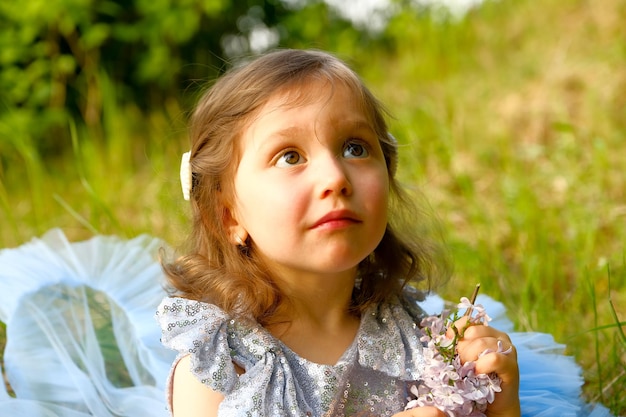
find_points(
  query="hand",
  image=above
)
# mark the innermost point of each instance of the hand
(421, 412)
(478, 338)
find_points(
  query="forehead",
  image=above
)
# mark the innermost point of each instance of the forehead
(318, 92)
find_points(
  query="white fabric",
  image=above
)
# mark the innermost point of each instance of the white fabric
(68, 306)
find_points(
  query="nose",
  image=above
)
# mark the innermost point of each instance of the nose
(333, 177)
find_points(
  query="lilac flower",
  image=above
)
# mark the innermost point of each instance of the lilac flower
(454, 388)
(447, 396)
(481, 315)
(465, 303)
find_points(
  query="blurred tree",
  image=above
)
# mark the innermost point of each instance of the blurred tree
(62, 59)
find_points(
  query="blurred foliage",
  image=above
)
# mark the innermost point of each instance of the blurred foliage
(56, 58)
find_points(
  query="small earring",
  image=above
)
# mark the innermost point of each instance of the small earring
(239, 240)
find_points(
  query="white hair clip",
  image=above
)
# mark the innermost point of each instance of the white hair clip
(185, 175)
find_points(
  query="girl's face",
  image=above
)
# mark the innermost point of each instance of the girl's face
(311, 188)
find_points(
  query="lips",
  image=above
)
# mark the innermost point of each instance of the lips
(337, 219)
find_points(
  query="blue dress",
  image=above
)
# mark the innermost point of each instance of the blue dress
(82, 341)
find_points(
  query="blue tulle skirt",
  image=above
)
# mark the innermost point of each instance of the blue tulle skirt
(82, 340)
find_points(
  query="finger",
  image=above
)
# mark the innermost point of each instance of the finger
(473, 349)
(461, 326)
(467, 329)
(504, 365)
(477, 331)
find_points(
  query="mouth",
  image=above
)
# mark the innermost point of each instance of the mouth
(337, 219)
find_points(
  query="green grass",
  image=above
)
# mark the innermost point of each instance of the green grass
(513, 124)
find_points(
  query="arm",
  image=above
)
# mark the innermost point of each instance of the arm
(190, 397)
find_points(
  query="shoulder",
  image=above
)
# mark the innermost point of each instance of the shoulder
(189, 396)
(407, 305)
(226, 363)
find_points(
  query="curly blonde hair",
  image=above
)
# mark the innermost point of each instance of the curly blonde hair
(216, 271)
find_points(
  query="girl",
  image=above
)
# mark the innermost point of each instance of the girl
(296, 297)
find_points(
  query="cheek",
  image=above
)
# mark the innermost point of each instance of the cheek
(263, 204)
(377, 192)
(382, 205)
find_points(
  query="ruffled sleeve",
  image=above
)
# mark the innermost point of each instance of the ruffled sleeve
(215, 342)
(201, 331)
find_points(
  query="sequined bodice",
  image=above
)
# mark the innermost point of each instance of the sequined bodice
(370, 378)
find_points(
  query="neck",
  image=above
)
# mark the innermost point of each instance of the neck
(315, 302)
(315, 321)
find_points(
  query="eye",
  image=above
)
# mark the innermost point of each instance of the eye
(288, 159)
(354, 149)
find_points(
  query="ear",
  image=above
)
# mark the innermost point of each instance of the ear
(237, 233)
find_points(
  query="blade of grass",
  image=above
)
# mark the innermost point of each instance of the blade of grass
(618, 324)
(80, 219)
(594, 304)
(596, 329)
(95, 198)
(9, 218)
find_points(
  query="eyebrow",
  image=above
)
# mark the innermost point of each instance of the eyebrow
(287, 133)
(291, 132)
(355, 124)
(361, 125)
(269, 141)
